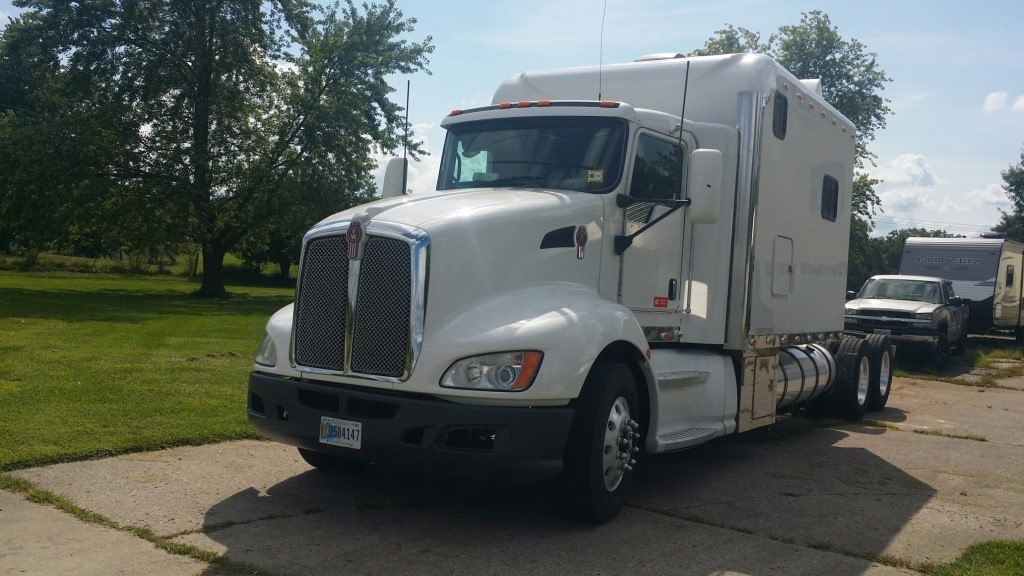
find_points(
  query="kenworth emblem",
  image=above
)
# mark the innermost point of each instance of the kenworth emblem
(354, 236)
(581, 241)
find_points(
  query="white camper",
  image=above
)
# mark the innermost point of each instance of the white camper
(985, 271)
(635, 258)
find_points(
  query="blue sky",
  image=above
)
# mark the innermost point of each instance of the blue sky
(957, 92)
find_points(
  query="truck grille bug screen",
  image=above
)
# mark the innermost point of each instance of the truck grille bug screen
(381, 337)
(321, 305)
(380, 320)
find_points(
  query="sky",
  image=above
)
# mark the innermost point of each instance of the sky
(957, 69)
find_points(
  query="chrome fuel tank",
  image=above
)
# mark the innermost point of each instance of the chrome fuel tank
(803, 373)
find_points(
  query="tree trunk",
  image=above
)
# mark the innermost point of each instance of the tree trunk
(284, 266)
(213, 273)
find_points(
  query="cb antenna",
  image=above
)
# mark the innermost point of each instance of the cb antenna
(682, 113)
(405, 143)
(600, 55)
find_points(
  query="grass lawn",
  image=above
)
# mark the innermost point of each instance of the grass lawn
(94, 364)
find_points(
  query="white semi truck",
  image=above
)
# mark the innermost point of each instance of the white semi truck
(617, 260)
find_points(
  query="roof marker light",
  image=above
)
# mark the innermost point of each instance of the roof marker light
(609, 104)
(544, 103)
(505, 105)
(455, 112)
(523, 103)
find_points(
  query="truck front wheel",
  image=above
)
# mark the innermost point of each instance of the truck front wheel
(604, 442)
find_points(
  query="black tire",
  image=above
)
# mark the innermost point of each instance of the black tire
(880, 354)
(853, 378)
(961, 344)
(600, 455)
(940, 352)
(330, 462)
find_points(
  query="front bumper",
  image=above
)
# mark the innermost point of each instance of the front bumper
(900, 334)
(509, 443)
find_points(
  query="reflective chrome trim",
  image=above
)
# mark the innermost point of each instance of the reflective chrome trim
(419, 242)
(749, 115)
(770, 341)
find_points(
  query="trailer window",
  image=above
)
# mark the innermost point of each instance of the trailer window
(1009, 275)
(830, 198)
(556, 153)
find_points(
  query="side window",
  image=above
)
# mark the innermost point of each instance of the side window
(829, 198)
(657, 175)
(1009, 275)
(780, 115)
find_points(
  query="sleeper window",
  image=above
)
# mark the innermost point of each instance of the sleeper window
(829, 198)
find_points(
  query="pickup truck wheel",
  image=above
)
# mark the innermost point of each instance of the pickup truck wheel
(880, 353)
(853, 378)
(330, 462)
(940, 352)
(604, 442)
(961, 344)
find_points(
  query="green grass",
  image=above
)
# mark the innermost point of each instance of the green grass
(95, 364)
(982, 353)
(995, 558)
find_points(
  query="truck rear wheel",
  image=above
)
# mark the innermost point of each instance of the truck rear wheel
(330, 462)
(853, 378)
(604, 442)
(880, 354)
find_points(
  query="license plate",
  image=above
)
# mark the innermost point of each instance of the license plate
(882, 331)
(345, 433)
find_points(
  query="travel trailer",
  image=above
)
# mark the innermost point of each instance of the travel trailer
(984, 271)
(616, 260)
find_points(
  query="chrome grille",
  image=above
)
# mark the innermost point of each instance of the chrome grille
(380, 341)
(887, 313)
(321, 304)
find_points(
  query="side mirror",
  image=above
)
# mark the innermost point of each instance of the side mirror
(850, 294)
(704, 186)
(394, 178)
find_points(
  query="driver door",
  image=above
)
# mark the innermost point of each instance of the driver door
(651, 269)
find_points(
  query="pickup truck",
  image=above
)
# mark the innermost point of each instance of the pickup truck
(916, 312)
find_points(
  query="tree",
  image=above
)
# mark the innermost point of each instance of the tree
(222, 115)
(850, 76)
(1012, 223)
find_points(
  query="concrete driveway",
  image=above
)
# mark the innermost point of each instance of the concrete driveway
(792, 499)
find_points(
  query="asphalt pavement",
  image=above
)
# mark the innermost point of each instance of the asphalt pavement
(937, 470)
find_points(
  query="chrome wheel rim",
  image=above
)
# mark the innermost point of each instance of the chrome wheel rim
(619, 444)
(863, 380)
(884, 374)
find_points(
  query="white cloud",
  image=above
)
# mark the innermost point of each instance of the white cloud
(1018, 104)
(995, 101)
(992, 195)
(906, 170)
(422, 175)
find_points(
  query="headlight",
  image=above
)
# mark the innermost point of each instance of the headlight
(503, 372)
(923, 316)
(267, 354)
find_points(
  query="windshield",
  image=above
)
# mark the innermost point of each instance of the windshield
(915, 290)
(560, 153)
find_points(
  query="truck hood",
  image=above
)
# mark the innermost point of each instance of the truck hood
(485, 243)
(434, 211)
(884, 304)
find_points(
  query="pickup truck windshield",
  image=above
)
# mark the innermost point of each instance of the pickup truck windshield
(559, 153)
(915, 290)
